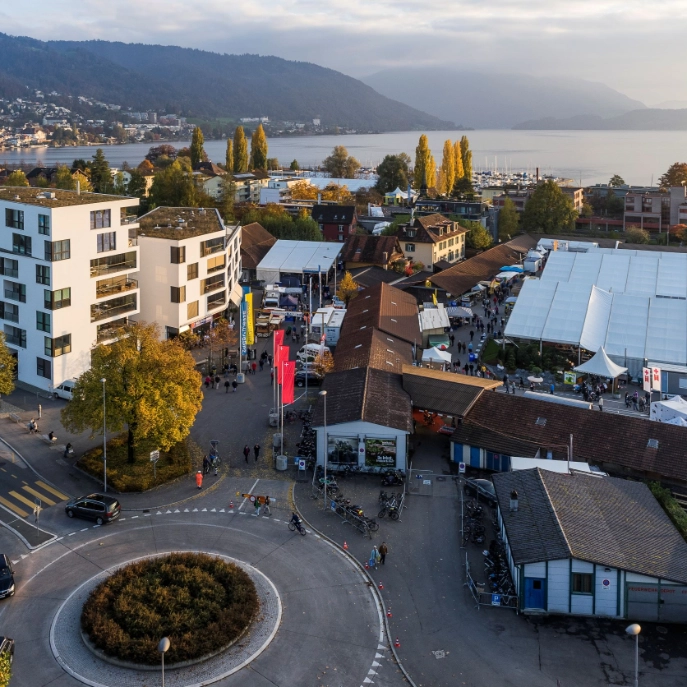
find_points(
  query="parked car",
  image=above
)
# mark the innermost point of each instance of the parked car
(65, 390)
(6, 577)
(313, 378)
(98, 507)
(482, 489)
(7, 647)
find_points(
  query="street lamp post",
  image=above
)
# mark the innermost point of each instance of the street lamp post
(635, 629)
(103, 380)
(163, 647)
(323, 393)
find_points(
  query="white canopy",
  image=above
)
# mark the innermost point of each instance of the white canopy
(677, 421)
(666, 411)
(600, 364)
(434, 355)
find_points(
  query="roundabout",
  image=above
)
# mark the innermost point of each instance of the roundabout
(318, 622)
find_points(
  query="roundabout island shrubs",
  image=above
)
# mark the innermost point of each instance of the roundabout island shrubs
(202, 603)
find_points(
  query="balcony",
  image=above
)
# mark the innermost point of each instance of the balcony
(110, 287)
(113, 263)
(15, 295)
(117, 306)
(217, 300)
(111, 330)
(212, 284)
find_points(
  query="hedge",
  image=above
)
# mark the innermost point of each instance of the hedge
(672, 508)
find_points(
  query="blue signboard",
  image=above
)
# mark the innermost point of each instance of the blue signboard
(244, 324)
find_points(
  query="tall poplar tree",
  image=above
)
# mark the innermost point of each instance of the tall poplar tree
(425, 166)
(197, 150)
(258, 149)
(229, 157)
(101, 177)
(458, 162)
(466, 156)
(448, 169)
(240, 151)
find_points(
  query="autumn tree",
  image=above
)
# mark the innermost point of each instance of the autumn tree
(228, 198)
(448, 169)
(221, 338)
(146, 167)
(294, 166)
(323, 363)
(616, 181)
(64, 179)
(675, 176)
(273, 164)
(174, 186)
(549, 210)
(5, 668)
(136, 186)
(8, 365)
(197, 151)
(163, 150)
(425, 170)
(348, 289)
(258, 149)
(155, 408)
(478, 237)
(508, 220)
(392, 173)
(340, 164)
(303, 190)
(636, 235)
(240, 151)
(101, 177)
(17, 178)
(229, 156)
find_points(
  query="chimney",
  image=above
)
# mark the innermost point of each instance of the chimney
(78, 188)
(536, 180)
(514, 501)
(386, 260)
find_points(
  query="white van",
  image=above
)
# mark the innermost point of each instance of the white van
(65, 390)
(310, 351)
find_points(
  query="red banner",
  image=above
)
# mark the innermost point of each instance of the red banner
(289, 372)
(283, 358)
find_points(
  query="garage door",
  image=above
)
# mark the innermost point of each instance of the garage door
(664, 603)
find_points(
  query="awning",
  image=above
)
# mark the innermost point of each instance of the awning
(601, 365)
(434, 355)
(458, 311)
(511, 268)
(236, 294)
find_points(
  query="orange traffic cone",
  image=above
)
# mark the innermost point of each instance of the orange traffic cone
(388, 613)
(231, 505)
(345, 546)
(397, 643)
(381, 586)
(367, 565)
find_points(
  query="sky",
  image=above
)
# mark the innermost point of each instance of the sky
(630, 45)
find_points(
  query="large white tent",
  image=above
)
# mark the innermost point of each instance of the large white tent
(601, 365)
(632, 303)
(434, 355)
(297, 257)
(669, 410)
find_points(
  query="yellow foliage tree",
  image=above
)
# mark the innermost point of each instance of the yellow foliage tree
(8, 364)
(17, 178)
(348, 289)
(323, 363)
(458, 162)
(447, 175)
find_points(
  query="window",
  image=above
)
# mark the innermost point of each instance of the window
(178, 254)
(211, 246)
(107, 241)
(9, 312)
(43, 274)
(216, 263)
(192, 271)
(341, 227)
(44, 368)
(16, 336)
(57, 250)
(14, 218)
(113, 263)
(178, 294)
(9, 267)
(21, 244)
(212, 283)
(44, 224)
(15, 292)
(192, 310)
(217, 299)
(410, 247)
(100, 219)
(450, 242)
(58, 346)
(582, 583)
(43, 321)
(54, 300)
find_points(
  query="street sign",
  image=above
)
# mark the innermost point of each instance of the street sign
(154, 456)
(495, 599)
(301, 464)
(461, 468)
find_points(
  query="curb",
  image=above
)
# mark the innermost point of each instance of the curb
(372, 585)
(22, 538)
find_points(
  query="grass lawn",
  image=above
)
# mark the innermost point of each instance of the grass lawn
(124, 476)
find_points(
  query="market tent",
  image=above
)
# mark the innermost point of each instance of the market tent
(665, 411)
(677, 421)
(511, 268)
(434, 355)
(458, 311)
(602, 366)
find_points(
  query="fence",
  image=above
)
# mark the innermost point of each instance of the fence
(420, 482)
(483, 597)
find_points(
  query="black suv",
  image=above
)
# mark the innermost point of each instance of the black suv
(6, 577)
(313, 378)
(483, 489)
(98, 507)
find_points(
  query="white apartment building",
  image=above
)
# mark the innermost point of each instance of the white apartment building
(190, 268)
(66, 261)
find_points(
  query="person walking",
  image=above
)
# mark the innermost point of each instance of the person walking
(208, 379)
(206, 465)
(472, 334)
(227, 384)
(262, 364)
(254, 367)
(217, 381)
(68, 450)
(601, 403)
(199, 479)
(234, 386)
(373, 558)
(256, 503)
(383, 550)
(552, 388)
(256, 451)
(246, 452)
(266, 506)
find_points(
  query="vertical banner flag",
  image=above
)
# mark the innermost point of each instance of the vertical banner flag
(250, 330)
(283, 358)
(244, 342)
(277, 341)
(646, 377)
(656, 378)
(288, 371)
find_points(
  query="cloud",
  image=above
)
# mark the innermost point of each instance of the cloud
(619, 42)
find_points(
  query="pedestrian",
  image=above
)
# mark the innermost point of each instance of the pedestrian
(552, 388)
(246, 451)
(206, 465)
(601, 403)
(293, 335)
(68, 450)
(256, 503)
(199, 479)
(267, 510)
(262, 364)
(373, 558)
(214, 370)
(208, 379)
(234, 386)
(472, 334)
(217, 381)
(254, 367)
(271, 377)
(383, 550)
(227, 384)
(453, 339)
(269, 360)
(256, 451)
(472, 369)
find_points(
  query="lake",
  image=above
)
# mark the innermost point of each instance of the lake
(587, 156)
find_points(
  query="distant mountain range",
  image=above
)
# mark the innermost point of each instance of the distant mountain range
(497, 101)
(636, 120)
(202, 84)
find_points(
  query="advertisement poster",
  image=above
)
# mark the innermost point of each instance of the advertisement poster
(569, 378)
(244, 345)
(342, 450)
(380, 453)
(250, 332)
(646, 377)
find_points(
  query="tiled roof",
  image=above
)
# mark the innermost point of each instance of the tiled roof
(364, 394)
(386, 308)
(371, 249)
(210, 169)
(371, 348)
(443, 392)
(256, 242)
(603, 520)
(507, 424)
(462, 277)
(334, 214)
(427, 229)
(366, 277)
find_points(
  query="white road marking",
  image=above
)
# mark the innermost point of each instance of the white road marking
(71, 534)
(250, 491)
(133, 517)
